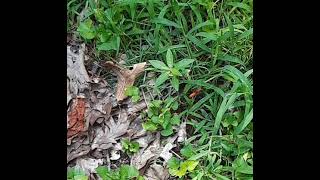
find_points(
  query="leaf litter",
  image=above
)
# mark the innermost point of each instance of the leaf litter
(98, 118)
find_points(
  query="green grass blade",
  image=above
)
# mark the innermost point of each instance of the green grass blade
(244, 123)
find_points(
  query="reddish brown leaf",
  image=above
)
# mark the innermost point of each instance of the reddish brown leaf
(76, 117)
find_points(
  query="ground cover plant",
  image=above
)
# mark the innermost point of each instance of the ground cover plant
(196, 87)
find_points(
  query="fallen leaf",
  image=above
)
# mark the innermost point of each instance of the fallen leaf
(165, 154)
(156, 172)
(140, 159)
(182, 133)
(125, 76)
(76, 119)
(76, 71)
(112, 132)
(114, 155)
(88, 165)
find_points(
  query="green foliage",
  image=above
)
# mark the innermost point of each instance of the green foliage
(125, 172)
(130, 147)
(133, 92)
(170, 70)
(189, 45)
(160, 117)
(180, 168)
(76, 174)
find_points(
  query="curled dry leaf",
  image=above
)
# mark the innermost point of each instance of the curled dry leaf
(112, 132)
(140, 159)
(88, 165)
(182, 133)
(165, 154)
(76, 121)
(125, 76)
(76, 71)
(114, 155)
(156, 172)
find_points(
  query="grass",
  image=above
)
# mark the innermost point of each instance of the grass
(218, 36)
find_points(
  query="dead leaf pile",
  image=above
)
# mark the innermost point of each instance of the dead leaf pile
(98, 118)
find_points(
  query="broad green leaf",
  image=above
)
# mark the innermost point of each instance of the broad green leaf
(132, 91)
(128, 172)
(189, 165)
(175, 72)
(161, 79)
(183, 63)
(80, 177)
(149, 126)
(135, 98)
(125, 143)
(166, 22)
(103, 172)
(86, 29)
(175, 105)
(187, 151)
(112, 44)
(168, 131)
(173, 163)
(169, 58)
(175, 120)
(176, 172)
(158, 64)
(175, 83)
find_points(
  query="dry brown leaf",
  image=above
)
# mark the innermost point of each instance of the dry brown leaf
(88, 165)
(182, 133)
(140, 159)
(112, 132)
(76, 71)
(76, 121)
(156, 172)
(125, 76)
(165, 154)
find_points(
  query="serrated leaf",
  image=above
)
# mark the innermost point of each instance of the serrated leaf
(175, 120)
(169, 58)
(103, 172)
(190, 165)
(183, 63)
(112, 44)
(168, 131)
(173, 163)
(86, 29)
(158, 64)
(175, 105)
(128, 172)
(80, 177)
(149, 126)
(175, 83)
(187, 151)
(161, 79)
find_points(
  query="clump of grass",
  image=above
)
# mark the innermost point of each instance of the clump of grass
(217, 35)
